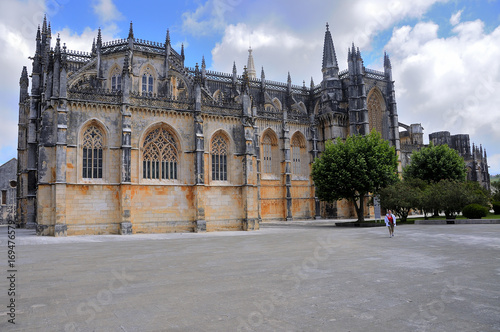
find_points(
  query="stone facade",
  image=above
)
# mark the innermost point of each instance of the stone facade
(127, 139)
(8, 187)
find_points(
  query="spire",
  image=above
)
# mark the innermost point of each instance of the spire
(99, 38)
(329, 56)
(167, 39)
(246, 83)
(93, 47)
(203, 70)
(131, 31)
(182, 53)
(24, 76)
(49, 32)
(312, 83)
(58, 45)
(250, 64)
(387, 61)
(44, 25)
(235, 77)
(262, 79)
(289, 83)
(197, 76)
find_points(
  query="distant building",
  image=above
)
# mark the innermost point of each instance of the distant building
(8, 185)
(475, 158)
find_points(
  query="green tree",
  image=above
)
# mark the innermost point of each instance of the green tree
(451, 196)
(352, 169)
(402, 196)
(436, 163)
(495, 191)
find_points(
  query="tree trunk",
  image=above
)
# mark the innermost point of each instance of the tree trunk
(360, 210)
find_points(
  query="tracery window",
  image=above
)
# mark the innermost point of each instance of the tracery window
(219, 158)
(160, 156)
(267, 154)
(376, 109)
(93, 142)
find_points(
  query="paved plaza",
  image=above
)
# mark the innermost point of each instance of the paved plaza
(293, 278)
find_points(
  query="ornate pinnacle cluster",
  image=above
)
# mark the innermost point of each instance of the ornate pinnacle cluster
(329, 56)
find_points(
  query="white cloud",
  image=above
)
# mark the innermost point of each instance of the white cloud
(455, 18)
(449, 83)
(18, 24)
(295, 31)
(267, 43)
(106, 11)
(208, 17)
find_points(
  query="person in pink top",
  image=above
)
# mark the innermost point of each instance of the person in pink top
(390, 222)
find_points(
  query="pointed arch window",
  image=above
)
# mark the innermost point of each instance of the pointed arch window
(299, 156)
(93, 142)
(160, 156)
(267, 155)
(147, 81)
(376, 110)
(296, 169)
(219, 158)
(116, 82)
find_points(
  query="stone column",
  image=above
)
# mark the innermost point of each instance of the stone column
(249, 189)
(314, 154)
(125, 182)
(287, 166)
(199, 189)
(60, 228)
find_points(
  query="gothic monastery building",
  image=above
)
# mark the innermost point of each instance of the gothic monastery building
(127, 139)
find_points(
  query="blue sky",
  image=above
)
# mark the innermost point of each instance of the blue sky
(445, 54)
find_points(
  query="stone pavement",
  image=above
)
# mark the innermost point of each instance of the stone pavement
(292, 278)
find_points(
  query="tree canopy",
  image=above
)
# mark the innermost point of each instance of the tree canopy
(436, 163)
(352, 169)
(402, 196)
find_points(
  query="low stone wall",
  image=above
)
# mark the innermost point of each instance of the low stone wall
(457, 221)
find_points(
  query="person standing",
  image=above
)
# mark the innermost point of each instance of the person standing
(390, 222)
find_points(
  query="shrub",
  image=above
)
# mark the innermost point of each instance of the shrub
(496, 207)
(474, 211)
